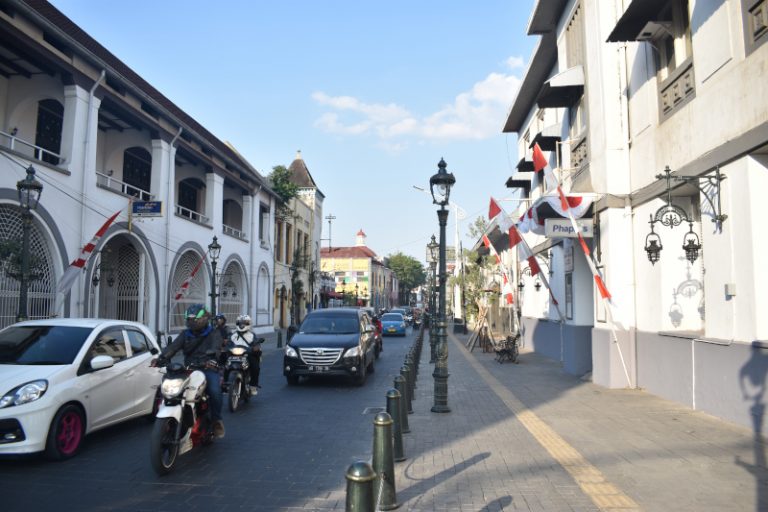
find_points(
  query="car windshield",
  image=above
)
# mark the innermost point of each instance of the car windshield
(327, 324)
(41, 344)
(392, 317)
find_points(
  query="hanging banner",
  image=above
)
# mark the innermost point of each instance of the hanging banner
(562, 228)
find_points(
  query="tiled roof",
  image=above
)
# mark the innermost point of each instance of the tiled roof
(300, 174)
(347, 252)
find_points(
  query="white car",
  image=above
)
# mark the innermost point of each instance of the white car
(61, 379)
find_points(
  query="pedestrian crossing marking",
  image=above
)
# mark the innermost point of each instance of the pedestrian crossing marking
(604, 495)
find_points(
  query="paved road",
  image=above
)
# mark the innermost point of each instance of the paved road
(287, 450)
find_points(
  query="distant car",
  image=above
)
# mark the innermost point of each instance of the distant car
(335, 341)
(393, 324)
(61, 379)
(376, 322)
(402, 311)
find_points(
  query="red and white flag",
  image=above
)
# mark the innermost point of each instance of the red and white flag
(494, 209)
(71, 274)
(539, 161)
(184, 288)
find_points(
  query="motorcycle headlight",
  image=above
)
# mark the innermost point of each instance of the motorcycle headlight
(24, 394)
(171, 388)
(237, 351)
(352, 352)
(290, 352)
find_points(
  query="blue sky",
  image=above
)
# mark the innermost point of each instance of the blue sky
(372, 93)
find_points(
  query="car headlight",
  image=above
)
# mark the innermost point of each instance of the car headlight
(171, 388)
(290, 352)
(352, 352)
(237, 351)
(402, 325)
(24, 394)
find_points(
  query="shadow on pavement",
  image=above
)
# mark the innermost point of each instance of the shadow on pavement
(424, 485)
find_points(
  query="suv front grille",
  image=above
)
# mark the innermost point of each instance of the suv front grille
(320, 356)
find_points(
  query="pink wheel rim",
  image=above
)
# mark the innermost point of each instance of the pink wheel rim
(70, 433)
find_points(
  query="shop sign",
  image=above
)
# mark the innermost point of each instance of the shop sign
(147, 208)
(562, 228)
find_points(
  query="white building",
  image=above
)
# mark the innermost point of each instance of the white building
(618, 91)
(101, 138)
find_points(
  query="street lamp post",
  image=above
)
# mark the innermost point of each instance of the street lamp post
(432, 247)
(440, 186)
(214, 249)
(29, 196)
(357, 301)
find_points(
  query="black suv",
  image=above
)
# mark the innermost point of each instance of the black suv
(336, 341)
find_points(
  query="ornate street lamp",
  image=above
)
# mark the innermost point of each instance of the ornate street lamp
(432, 248)
(214, 250)
(356, 292)
(29, 197)
(440, 185)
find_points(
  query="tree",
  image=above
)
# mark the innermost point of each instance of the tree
(472, 280)
(280, 181)
(410, 273)
(477, 228)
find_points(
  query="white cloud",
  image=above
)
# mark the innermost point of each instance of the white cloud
(476, 114)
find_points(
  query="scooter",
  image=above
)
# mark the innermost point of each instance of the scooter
(183, 419)
(237, 375)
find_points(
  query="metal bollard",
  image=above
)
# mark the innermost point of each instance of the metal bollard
(409, 362)
(360, 477)
(401, 386)
(405, 372)
(393, 409)
(384, 494)
(279, 338)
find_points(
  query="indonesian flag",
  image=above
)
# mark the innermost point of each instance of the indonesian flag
(514, 237)
(507, 290)
(77, 265)
(494, 209)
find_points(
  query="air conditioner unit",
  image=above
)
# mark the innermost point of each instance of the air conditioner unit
(654, 30)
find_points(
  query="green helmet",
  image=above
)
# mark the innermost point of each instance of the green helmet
(197, 318)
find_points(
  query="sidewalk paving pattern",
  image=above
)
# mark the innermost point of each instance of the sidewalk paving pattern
(529, 437)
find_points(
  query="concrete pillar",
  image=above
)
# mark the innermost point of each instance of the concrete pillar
(214, 199)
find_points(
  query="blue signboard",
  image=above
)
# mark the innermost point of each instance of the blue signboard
(148, 208)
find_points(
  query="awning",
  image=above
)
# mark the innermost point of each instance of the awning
(549, 207)
(335, 295)
(562, 90)
(516, 181)
(632, 24)
(547, 138)
(524, 165)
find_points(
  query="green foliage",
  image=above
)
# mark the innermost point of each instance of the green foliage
(471, 280)
(410, 273)
(477, 228)
(280, 181)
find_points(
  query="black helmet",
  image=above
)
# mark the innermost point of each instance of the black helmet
(197, 318)
(220, 317)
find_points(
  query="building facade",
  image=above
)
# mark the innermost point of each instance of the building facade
(650, 111)
(102, 140)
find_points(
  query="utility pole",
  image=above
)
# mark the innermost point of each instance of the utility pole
(330, 218)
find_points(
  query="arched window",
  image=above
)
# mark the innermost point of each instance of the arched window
(232, 292)
(50, 119)
(196, 292)
(137, 172)
(189, 194)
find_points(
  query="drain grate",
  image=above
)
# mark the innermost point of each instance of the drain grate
(373, 410)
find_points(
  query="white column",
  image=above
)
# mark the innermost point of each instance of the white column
(73, 130)
(214, 199)
(161, 155)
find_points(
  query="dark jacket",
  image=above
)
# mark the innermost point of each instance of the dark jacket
(194, 348)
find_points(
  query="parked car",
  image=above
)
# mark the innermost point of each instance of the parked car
(393, 324)
(62, 379)
(376, 322)
(335, 341)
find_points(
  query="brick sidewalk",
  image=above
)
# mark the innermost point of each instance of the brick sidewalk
(528, 436)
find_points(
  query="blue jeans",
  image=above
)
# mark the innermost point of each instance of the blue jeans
(213, 387)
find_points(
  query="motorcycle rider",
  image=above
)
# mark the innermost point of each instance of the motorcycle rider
(201, 345)
(245, 338)
(220, 324)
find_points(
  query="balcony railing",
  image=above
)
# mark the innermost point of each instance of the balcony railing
(229, 230)
(192, 215)
(27, 148)
(107, 181)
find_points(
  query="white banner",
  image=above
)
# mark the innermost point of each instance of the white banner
(562, 228)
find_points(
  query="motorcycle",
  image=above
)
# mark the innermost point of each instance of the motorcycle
(237, 374)
(183, 419)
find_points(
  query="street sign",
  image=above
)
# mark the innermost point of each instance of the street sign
(562, 228)
(147, 209)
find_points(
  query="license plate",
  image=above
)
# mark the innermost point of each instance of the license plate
(392, 329)
(318, 368)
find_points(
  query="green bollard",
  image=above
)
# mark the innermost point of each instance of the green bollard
(401, 386)
(393, 409)
(409, 362)
(406, 373)
(279, 338)
(384, 494)
(360, 477)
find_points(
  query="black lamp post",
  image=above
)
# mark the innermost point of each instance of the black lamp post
(432, 247)
(214, 249)
(29, 197)
(440, 186)
(356, 292)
